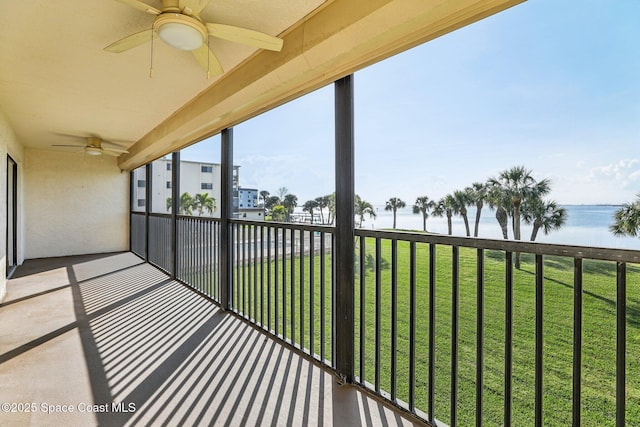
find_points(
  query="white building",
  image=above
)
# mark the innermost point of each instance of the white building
(195, 178)
(246, 204)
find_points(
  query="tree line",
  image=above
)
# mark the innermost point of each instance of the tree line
(514, 194)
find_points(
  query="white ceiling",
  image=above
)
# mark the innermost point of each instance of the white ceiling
(56, 79)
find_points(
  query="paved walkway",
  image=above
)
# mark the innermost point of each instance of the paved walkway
(108, 340)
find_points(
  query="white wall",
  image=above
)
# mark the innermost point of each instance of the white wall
(74, 204)
(10, 145)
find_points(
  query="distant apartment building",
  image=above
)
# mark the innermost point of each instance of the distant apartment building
(246, 204)
(195, 178)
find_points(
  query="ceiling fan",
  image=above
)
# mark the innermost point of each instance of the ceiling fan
(94, 147)
(178, 24)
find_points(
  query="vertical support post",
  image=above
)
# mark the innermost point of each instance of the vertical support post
(344, 231)
(175, 208)
(226, 208)
(131, 201)
(147, 206)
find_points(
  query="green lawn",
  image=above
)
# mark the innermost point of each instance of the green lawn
(599, 330)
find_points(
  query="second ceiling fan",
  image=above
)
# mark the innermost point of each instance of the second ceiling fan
(178, 24)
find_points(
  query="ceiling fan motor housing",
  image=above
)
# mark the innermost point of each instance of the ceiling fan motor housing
(180, 31)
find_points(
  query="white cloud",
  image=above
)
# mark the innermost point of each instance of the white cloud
(622, 171)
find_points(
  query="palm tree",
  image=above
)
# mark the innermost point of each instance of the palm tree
(627, 220)
(309, 206)
(362, 208)
(478, 194)
(393, 204)
(543, 214)
(263, 195)
(518, 185)
(439, 210)
(271, 202)
(461, 200)
(186, 204)
(331, 207)
(445, 207)
(289, 202)
(423, 205)
(323, 202)
(203, 201)
(501, 203)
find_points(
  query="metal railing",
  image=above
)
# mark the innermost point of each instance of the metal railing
(283, 281)
(446, 327)
(198, 254)
(424, 303)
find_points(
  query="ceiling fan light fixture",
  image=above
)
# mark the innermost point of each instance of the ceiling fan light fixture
(180, 31)
(93, 151)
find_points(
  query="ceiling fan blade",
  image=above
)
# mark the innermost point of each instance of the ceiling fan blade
(141, 6)
(194, 7)
(67, 145)
(129, 42)
(115, 150)
(245, 36)
(207, 60)
(112, 152)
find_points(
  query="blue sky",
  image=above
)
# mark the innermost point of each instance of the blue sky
(551, 85)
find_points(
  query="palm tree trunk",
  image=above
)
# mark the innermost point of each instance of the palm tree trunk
(534, 232)
(449, 225)
(501, 216)
(394, 219)
(477, 225)
(466, 224)
(424, 221)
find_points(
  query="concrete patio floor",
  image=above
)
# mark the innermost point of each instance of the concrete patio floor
(109, 340)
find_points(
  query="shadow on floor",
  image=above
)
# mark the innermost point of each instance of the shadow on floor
(157, 353)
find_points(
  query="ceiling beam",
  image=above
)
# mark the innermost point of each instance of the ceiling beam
(338, 39)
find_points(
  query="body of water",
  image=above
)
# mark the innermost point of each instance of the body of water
(587, 225)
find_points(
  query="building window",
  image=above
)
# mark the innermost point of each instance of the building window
(168, 166)
(168, 184)
(208, 169)
(141, 183)
(141, 203)
(206, 186)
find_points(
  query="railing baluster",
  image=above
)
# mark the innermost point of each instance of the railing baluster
(292, 283)
(244, 265)
(539, 366)
(269, 279)
(275, 280)
(508, 341)
(577, 339)
(621, 341)
(323, 267)
(262, 276)
(455, 305)
(412, 326)
(250, 295)
(363, 273)
(378, 312)
(302, 289)
(312, 281)
(432, 334)
(479, 335)
(284, 284)
(394, 319)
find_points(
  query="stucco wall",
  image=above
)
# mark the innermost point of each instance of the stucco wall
(74, 204)
(9, 144)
